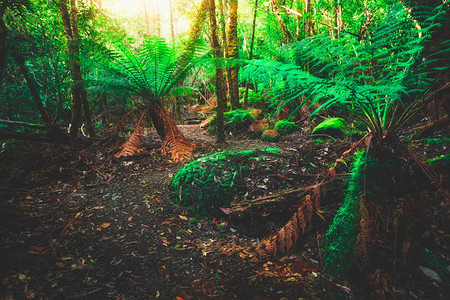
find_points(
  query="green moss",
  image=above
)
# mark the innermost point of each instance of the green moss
(211, 182)
(331, 126)
(285, 127)
(339, 250)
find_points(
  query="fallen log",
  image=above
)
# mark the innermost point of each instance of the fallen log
(59, 138)
(272, 202)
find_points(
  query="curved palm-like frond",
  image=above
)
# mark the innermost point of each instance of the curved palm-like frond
(378, 79)
(154, 69)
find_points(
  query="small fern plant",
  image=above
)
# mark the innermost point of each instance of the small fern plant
(382, 80)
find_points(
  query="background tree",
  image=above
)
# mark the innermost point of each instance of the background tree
(79, 94)
(233, 53)
(220, 88)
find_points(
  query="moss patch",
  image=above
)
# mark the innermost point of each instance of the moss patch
(211, 182)
(339, 251)
(331, 126)
(285, 127)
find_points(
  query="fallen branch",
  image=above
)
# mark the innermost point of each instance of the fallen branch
(283, 199)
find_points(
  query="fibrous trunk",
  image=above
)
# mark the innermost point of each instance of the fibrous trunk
(174, 143)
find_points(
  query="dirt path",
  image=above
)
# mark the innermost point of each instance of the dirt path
(125, 240)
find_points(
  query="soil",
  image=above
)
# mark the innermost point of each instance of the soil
(75, 223)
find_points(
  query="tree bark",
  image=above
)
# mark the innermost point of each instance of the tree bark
(32, 86)
(79, 95)
(308, 23)
(286, 33)
(339, 21)
(172, 27)
(3, 47)
(233, 50)
(220, 91)
(252, 43)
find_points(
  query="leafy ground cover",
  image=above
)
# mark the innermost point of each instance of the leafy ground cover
(108, 229)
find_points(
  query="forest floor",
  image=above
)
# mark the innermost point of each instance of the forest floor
(76, 224)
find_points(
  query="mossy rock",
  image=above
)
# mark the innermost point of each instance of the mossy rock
(211, 182)
(256, 113)
(259, 126)
(332, 127)
(270, 135)
(285, 127)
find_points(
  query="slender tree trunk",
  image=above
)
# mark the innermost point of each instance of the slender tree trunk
(158, 18)
(287, 34)
(223, 32)
(79, 95)
(252, 43)
(220, 91)
(308, 23)
(339, 21)
(32, 86)
(3, 47)
(233, 50)
(172, 27)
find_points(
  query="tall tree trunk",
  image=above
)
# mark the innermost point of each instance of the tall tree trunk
(252, 43)
(308, 23)
(233, 50)
(286, 33)
(172, 27)
(220, 91)
(3, 47)
(223, 32)
(339, 21)
(32, 86)
(79, 95)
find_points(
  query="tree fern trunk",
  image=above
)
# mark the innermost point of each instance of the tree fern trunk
(174, 143)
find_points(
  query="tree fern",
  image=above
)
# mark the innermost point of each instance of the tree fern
(154, 70)
(381, 79)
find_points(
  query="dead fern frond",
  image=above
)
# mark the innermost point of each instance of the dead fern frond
(175, 144)
(363, 238)
(287, 238)
(132, 145)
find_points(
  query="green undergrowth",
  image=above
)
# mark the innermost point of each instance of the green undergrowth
(235, 121)
(435, 141)
(331, 126)
(285, 127)
(440, 162)
(211, 182)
